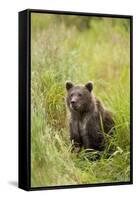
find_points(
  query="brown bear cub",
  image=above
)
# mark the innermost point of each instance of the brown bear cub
(89, 120)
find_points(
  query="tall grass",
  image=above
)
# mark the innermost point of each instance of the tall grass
(61, 51)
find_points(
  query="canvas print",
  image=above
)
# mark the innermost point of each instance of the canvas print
(80, 99)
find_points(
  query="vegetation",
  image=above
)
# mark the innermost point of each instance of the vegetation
(78, 49)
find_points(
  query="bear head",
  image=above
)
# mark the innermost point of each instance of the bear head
(79, 96)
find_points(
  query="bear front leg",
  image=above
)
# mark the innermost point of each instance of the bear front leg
(93, 138)
(75, 137)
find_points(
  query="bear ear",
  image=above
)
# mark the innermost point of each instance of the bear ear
(89, 86)
(69, 85)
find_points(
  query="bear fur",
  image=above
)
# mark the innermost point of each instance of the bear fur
(89, 119)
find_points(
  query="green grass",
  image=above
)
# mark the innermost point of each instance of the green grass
(61, 51)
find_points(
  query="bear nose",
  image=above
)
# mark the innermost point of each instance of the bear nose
(73, 101)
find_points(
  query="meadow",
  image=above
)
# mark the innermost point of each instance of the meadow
(78, 49)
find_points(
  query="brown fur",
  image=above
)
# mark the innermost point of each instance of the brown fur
(87, 114)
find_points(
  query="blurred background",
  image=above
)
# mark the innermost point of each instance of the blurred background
(77, 48)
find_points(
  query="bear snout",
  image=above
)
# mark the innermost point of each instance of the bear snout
(73, 102)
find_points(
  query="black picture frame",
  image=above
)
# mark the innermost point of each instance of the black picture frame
(24, 176)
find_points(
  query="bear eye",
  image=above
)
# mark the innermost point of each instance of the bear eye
(71, 94)
(79, 94)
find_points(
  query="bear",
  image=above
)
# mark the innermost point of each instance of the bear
(89, 119)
